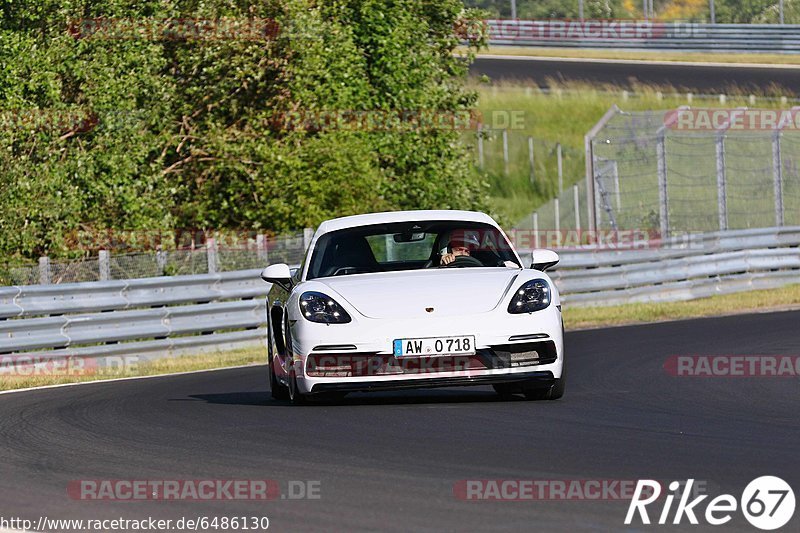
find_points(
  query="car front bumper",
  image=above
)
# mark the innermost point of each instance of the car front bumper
(545, 378)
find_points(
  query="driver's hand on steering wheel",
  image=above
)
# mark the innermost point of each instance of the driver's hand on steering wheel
(450, 257)
(447, 259)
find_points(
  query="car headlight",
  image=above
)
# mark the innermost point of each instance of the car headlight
(533, 296)
(318, 307)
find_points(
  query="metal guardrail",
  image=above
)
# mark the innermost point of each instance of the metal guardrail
(154, 317)
(646, 35)
(680, 268)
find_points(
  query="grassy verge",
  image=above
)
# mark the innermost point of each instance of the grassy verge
(699, 57)
(563, 115)
(743, 302)
(148, 368)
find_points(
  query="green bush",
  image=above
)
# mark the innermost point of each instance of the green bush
(181, 133)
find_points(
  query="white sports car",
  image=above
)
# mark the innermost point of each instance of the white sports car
(413, 299)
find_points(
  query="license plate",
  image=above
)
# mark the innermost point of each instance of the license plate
(433, 346)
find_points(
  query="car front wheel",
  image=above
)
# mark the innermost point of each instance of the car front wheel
(553, 392)
(295, 396)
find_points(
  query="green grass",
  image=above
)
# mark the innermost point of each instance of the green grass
(699, 57)
(743, 302)
(563, 115)
(150, 368)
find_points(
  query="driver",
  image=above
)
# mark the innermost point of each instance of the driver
(458, 246)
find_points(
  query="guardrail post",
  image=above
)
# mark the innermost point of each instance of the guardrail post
(663, 196)
(261, 248)
(777, 174)
(44, 271)
(531, 160)
(104, 263)
(308, 234)
(722, 193)
(211, 255)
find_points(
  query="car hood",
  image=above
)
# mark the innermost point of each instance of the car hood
(408, 294)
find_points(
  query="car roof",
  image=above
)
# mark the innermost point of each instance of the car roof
(403, 216)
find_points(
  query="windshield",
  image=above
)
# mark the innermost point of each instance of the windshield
(410, 246)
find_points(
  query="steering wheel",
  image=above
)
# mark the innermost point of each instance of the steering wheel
(462, 261)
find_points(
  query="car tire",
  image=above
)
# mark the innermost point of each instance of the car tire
(277, 389)
(295, 396)
(553, 392)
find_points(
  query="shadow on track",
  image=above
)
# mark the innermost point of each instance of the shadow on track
(416, 397)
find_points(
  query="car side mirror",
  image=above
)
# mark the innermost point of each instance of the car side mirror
(279, 274)
(544, 259)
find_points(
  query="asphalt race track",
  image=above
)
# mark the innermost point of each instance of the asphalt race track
(390, 460)
(712, 79)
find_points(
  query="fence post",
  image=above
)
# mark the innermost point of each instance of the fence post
(536, 230)
(104, 263)
(161, 261)
(308, 234)
(576, 197)
(505, 151)
(713, 12)
(211, 255)
(722, 194)
(261, 249)
(589, 158)
(531, 160)
(480, 145)
(777, 173)
(617, 191)
(663, 197)
(557, 217)
(44, 271)
(560, 169)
